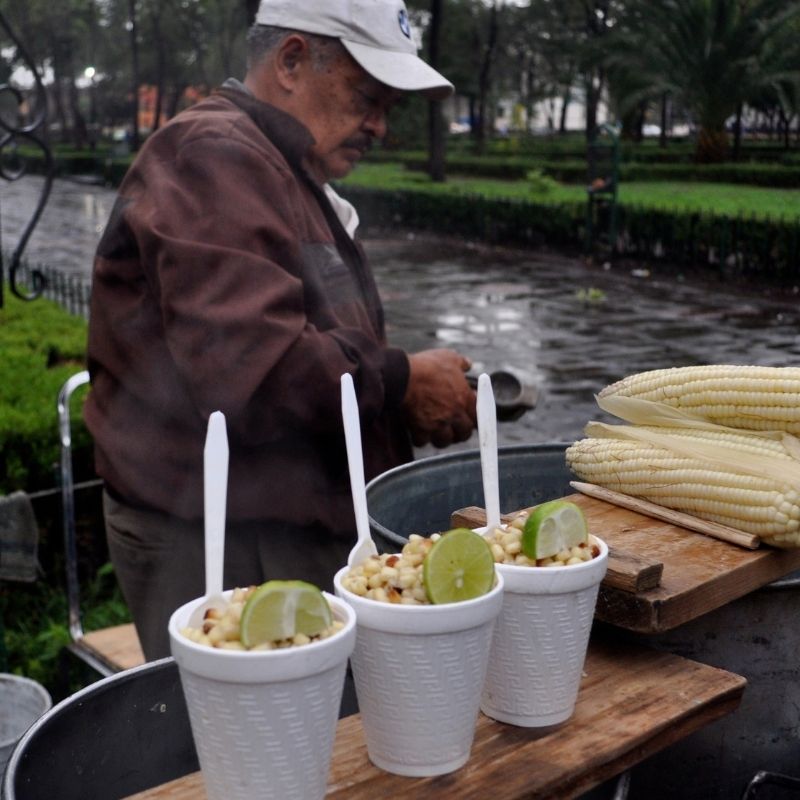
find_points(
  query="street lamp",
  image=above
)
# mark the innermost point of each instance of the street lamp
(89, 74)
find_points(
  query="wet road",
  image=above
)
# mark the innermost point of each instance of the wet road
(567, 327)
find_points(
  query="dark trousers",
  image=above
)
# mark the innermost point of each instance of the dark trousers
(160, 564)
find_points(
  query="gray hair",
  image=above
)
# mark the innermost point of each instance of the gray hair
(263, 39)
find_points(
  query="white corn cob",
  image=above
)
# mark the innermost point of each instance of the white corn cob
(763, 505)
(754, 398)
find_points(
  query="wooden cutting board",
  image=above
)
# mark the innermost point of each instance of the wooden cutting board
(633, 702)
(699, 573)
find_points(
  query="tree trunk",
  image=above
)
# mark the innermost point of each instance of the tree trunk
(159, 104)
(595, 26)
(436, 154)
(484, 78)
(550, 107)
(58, 102)
(712, 145)
(473, 116)
(135, 137)
(641, 114)
(56, 91)
(160, 69)
(530, 78)
(436, 143)
(631, 128)
(79, 131)
(593, 94)
(80, 134)
(785, 122)
(737, 132)
(175, 99)
(662, 136)
(565, 101)
(591, 107)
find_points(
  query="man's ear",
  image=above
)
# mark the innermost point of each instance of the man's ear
(292, 55)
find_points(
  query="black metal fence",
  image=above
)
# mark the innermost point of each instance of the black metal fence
(68, 290)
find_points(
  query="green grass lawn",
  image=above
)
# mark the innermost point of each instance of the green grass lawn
(719, 198)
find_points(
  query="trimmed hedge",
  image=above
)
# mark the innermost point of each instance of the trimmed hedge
(472, 216)
(42, 346)
(101, 163)
(775, 176)
(573, 147)
(567, 165)
(767, 248)
(575, 172)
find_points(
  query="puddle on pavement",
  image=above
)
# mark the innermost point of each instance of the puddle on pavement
(567, 327)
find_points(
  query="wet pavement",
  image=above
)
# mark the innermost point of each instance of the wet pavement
(567, 327)
(571, 328)
(70, 226)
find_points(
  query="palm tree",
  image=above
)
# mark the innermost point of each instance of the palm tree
(710, 55)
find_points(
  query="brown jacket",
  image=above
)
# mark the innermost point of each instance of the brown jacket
(224, 280)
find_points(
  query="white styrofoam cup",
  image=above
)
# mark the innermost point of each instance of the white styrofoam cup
(540, 641)
(264, 721)
(418, 672)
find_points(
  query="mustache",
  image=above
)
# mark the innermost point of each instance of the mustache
(363, 143)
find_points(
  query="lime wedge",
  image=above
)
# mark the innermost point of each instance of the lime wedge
(552, 527)
(278, 610)
(459, 566)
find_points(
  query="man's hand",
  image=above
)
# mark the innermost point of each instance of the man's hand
(439, 403)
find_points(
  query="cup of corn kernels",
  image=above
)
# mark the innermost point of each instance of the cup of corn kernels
(239, 700)
(506, 545)
(393, 578)
(418, 666)
(221, 629)
(542, 634)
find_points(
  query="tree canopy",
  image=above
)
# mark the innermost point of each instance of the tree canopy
(130, 64)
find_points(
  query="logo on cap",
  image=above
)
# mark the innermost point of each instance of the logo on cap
(402, 18)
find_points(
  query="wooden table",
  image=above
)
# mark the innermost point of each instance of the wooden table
(633, 702)
(699, 573)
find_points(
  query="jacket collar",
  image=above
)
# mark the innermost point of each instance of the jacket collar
(289, 135)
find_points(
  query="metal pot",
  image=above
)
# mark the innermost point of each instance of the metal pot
(22, 702)
(419, 497)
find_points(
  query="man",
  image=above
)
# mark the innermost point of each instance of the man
(227, 278)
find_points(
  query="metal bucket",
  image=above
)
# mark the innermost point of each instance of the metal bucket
(756, 636)
(22, 702)
(419, 497)
(118, 736)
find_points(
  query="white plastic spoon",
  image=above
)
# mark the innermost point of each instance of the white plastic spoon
(215, 489)
(487, 438)
(364, 546)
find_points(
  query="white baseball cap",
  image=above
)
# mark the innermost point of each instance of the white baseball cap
(376, 33)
